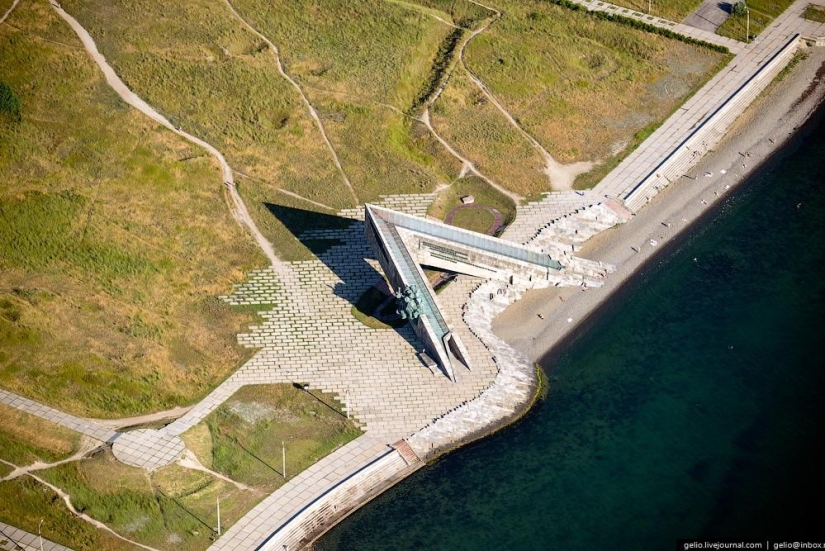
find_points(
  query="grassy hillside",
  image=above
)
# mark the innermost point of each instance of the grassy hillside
(583, 87)
(115, 239)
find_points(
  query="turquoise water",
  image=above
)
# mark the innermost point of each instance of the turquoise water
(692, 407)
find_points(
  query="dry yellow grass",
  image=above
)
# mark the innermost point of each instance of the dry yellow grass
(26, 438)
(584, 87)
(675, 10)
(116, 238)
(465, 118)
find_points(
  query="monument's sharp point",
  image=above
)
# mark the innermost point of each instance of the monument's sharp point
(403, 244)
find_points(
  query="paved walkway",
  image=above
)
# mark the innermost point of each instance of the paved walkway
(277, 509)
(15, 539)
(644, 163)
(734, 46)
(83, 426)
(310, 336)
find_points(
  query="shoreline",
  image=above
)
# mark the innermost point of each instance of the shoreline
(783, 113)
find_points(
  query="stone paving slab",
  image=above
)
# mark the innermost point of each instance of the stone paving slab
(77, 424)
(148, 449)
(310, 336)
(709, 16)
(15, 539)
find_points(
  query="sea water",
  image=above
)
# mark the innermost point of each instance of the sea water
(691, 408)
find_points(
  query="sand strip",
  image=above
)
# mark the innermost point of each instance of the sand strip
(768, 124)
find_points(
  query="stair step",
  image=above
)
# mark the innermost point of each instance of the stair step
(406, 452)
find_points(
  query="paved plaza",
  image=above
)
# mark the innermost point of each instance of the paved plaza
(307, 333)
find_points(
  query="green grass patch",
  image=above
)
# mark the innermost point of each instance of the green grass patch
(247, 431)
(815, 13)
(368, 310)
(174, 508)
(473, 219)
(24, 502)
(438, 71)
(26, 439)
(762, 13)
(10, 105)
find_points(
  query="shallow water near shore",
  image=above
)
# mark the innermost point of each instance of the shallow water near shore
(691, 408)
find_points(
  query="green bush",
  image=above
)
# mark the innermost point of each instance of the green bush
(9, 102)
(739, 8)
(443, 59)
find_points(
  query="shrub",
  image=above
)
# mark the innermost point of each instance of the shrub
(641, 25)
(739, 9)
(9, 102)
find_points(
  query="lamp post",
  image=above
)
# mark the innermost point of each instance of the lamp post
(40, 534)
(219, 515)
(747, 23)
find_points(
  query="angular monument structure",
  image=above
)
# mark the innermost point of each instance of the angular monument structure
(403, 243)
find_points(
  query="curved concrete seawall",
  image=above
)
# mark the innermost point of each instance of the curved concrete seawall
(705, 118)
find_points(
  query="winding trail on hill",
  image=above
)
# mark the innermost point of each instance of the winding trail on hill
(425, 11)
(83, 516)
(96, 523)
(276, 54)
(8, 12)
(239, 211)
(169, 414)
(87, 445)
(561, 176)
(467, 165)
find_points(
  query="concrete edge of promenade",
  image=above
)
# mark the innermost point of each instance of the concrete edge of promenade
(521, 375)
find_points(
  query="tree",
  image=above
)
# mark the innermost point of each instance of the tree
(740, 8)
